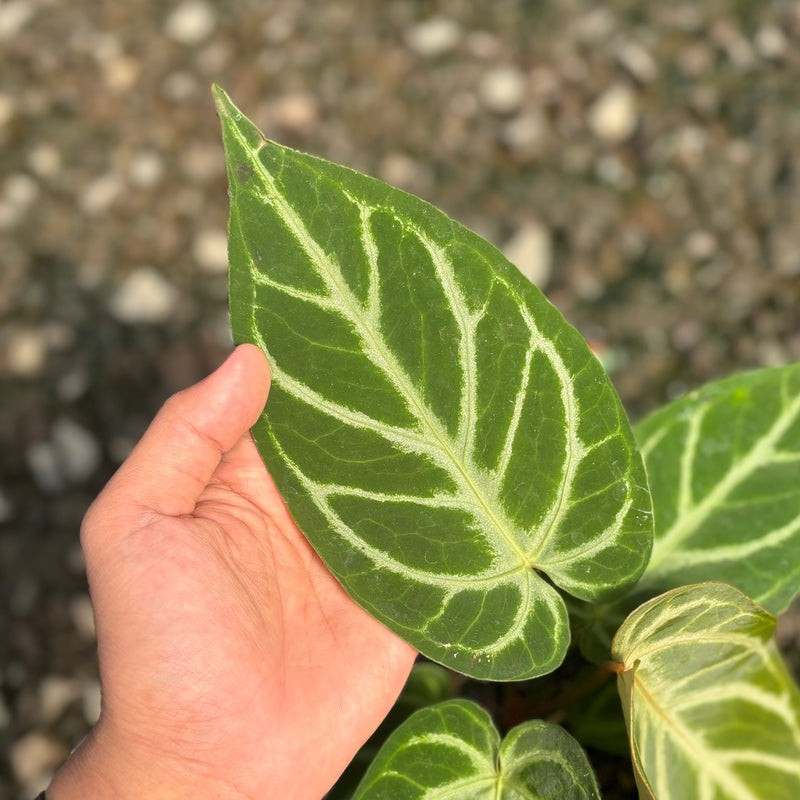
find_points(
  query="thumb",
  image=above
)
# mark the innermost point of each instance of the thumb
(171, 465)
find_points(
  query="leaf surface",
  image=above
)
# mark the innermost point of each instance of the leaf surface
(439, 433)
(712, 712)
(453, 750)
(724, 470)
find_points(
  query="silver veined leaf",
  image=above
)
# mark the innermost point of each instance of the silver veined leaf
(445, 440)
(712, 712)
(724, 471)
(452, 750)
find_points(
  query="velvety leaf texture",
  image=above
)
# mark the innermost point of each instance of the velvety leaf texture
(452, 750)
(724, 470)
(439, 433)
(712, 712)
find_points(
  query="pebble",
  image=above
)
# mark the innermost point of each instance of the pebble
(771, 43)
(69, 457)
(434, 37)
(82, 616)
(296, 111)
(527, 134)
(20, 192)
(25, 352)
(637, 61)
(34, 758)
(98, 196)
(56, 693)
(45, 161)
(146, 169)
(399, 169)
(613, 116)
(210, 251)
(14, 16)
(531, 250)
(191, 23)
(502, 90)
(92, 701)
(144, 297)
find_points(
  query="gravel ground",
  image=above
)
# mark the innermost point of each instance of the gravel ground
(640, 161)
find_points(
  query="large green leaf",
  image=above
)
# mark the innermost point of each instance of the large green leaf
(439, 433)
(452, 751)
(712, 712)
(724, 470)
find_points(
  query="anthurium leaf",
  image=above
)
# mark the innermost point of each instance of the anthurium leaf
(712, 712)
(724, 471)
(438, 431)
(452, 750)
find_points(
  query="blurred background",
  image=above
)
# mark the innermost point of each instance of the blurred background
(639, 161)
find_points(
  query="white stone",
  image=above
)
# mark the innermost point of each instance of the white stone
(502, 90)
(82, 616)
(144, 297)
(527, 133)
(92, 702)
(191, 23)
(771, 43)
(613, 116)
(530, 249)
(20, 192)
(100, 193)
(434, 37)
(638, 61)
(42, 460)
(26, 352)
(210, 250)
(297, 111)
(33, 759)
(45, 160)
(14, 16)
(146, 169)
(55, 694)
(78, 451)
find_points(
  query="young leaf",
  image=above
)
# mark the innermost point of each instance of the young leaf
(711, 710)
(453, 750)
(439, 433)
(724, 471)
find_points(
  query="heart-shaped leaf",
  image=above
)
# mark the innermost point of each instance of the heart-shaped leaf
(452, 750)
(711, 710)
(724, 471)
(438, 431)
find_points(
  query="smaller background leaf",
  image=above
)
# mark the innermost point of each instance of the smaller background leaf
(724, 470)
(712, 712)
(452, 750)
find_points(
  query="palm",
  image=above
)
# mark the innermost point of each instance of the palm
(233, 643)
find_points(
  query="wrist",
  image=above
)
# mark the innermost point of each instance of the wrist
(107, 770)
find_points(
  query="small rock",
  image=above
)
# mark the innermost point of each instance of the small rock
(98, 196)
(26, 352)
(771, 43)
(530, 249)
(502, 90)
(399, 169)
(701, 245)
(42, 461)
(637, 61)
(434, 37)
(297, 111)
(202, 162)
(613, 116)
(92, 702)
(144, 297)
(34, 758)
(526, 135)
(55, 694)
(191, 23)
(210, 250)
(82, 616)
(146, 169)
(78, 451)
(20, 192)
(14, 16)
(45, 160)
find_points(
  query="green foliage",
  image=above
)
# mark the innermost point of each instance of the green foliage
(460, 461)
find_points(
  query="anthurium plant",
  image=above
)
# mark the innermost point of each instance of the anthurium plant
(462, 464)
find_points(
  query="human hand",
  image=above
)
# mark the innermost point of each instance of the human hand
(232, 663)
